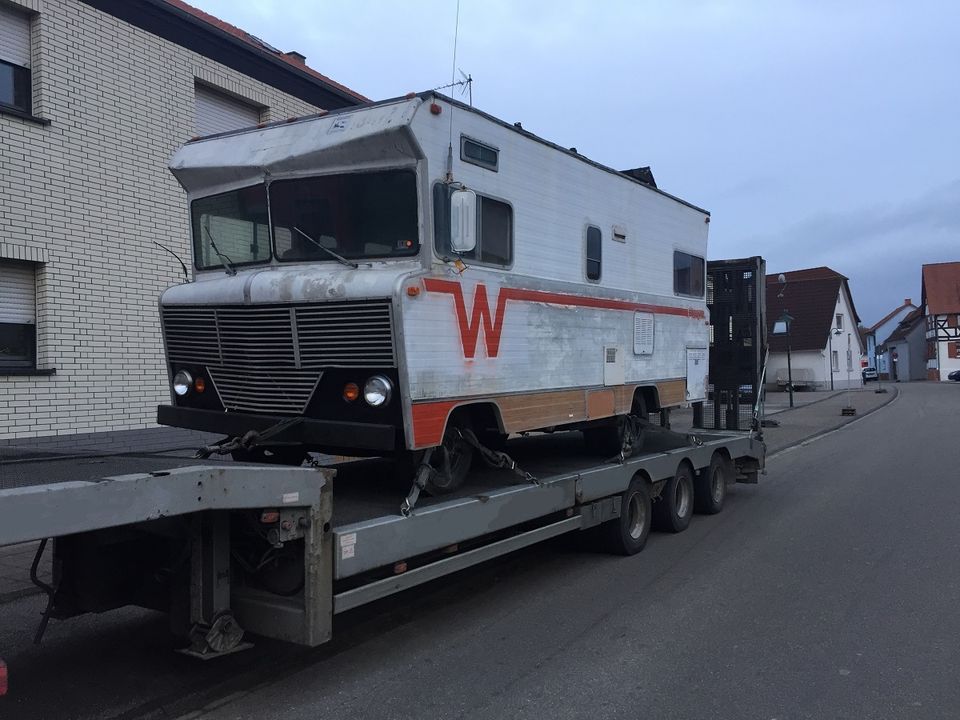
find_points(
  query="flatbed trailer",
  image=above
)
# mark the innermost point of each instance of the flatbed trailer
(180, 540)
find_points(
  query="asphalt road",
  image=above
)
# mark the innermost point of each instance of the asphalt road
(830, 590)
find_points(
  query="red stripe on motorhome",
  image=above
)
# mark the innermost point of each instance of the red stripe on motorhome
(492, 323)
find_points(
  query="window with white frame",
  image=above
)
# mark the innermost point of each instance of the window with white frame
(839, 325)
(15, 84)
(835, 361)
(18, 326)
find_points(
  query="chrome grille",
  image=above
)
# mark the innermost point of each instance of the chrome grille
(269, 358)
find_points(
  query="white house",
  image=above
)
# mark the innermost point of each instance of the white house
(906, 349)
(878, 334)
(823, 342)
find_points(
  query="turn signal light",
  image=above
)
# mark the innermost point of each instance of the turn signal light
(351, 391)
(199, 384)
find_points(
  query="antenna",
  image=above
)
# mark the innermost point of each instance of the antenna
(467, 82)
(453, 79)
(465, 85)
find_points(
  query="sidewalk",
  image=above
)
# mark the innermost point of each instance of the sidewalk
(813, 414)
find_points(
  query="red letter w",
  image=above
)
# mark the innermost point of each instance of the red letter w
(470, 327)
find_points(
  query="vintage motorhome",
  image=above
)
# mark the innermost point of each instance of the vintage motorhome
(374, 281)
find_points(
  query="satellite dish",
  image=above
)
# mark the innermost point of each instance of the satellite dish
(782, 278)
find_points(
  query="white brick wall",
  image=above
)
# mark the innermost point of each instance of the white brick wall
(86, 196)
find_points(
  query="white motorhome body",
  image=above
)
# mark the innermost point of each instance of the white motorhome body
(583, 298)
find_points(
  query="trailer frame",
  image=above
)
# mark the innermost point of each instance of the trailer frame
(345, 566)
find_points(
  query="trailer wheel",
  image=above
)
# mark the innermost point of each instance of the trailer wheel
(627, 534)
(710, 487)
(674, 508)
(451, 460)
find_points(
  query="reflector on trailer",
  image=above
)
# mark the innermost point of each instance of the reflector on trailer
(3, 678)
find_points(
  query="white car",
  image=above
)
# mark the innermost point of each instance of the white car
(869, 373)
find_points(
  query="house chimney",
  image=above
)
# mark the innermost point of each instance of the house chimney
(907, 301)
(298, 58)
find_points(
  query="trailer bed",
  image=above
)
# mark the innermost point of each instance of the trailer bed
(355, 544)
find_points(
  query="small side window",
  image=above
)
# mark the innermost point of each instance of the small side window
(688, 274)
(477, 153)
(494, 229)
(594, 249)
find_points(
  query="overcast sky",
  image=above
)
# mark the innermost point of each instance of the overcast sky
(817, 132)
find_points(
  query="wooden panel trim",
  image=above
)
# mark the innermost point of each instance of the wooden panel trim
(672, 392)
(528, 411)
(601, 403)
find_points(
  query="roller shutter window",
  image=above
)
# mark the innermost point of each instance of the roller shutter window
(217, 112)
(14, 59)
(18, 292)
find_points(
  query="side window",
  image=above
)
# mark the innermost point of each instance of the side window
(594, 248)
(688, 273)
(839, 321)
(18, 334)
(477, 153)
(15, 59)
(494, 229)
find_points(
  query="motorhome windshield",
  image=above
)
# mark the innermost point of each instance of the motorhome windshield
(356, 216)
(231, 229)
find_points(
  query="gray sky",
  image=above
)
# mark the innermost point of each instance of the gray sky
(816, 132)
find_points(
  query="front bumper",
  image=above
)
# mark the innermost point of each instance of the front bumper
(319, 434)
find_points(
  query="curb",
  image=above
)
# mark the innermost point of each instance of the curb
(827, 431)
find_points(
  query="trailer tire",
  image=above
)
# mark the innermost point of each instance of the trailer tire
(710, 487)
(674, 508)
(627, 534)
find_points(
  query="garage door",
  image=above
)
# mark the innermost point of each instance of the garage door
(217, 112)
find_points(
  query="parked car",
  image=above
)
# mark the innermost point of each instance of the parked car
(955, 376)
(869, 373)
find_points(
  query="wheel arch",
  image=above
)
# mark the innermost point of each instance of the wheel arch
(650, 396)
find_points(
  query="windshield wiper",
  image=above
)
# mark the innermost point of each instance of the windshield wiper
(339, 258)
(224, 260)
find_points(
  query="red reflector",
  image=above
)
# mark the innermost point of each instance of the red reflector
(3, 678)
(268, 517)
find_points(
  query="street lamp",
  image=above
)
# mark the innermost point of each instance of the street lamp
(781, 327)
(833, 331)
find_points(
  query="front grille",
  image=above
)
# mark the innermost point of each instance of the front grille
(269, 358)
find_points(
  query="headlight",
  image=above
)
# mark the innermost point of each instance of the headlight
(377, 391)
(182, 382)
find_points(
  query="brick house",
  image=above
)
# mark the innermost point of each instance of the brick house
(941, 308)
(820, 304)
(94, 98)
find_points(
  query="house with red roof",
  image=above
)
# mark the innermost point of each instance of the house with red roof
(941, 310)
(823, 342)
